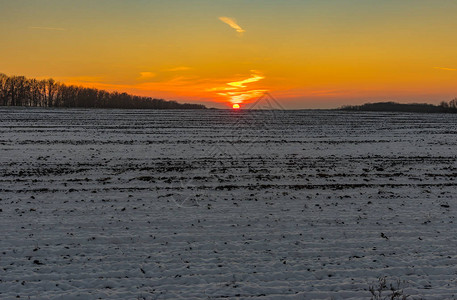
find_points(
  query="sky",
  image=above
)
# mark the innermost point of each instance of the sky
(305, 53)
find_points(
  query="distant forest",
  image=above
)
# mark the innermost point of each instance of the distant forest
(21, 91)
(443, 107)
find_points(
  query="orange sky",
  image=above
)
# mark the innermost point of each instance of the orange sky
(307, 53)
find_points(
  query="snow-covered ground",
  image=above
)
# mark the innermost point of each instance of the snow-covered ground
(226, 204)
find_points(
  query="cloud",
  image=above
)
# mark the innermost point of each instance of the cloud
(47, 28)
(232, 23)
(179, 69)
(241, 84)
(146, 75)
(446, 69)
(239, 97)
(237, 91)
(217, 89)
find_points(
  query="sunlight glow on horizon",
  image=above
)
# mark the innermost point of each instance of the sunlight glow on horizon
(308, 54)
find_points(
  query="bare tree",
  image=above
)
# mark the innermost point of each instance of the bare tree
(3, 90)
(20, 91)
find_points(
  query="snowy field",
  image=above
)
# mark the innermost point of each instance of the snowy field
(226, 204)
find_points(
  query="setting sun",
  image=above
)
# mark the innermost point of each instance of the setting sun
(236, 106)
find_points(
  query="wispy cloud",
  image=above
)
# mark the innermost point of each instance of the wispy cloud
(146, 75)
(241, 84)
(232, 23)
(179, 69)
(47, 28)
(239, 97)
(237, 91)
(446, 69)
(218, 89)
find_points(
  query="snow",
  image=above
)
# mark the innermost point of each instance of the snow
(212, 204)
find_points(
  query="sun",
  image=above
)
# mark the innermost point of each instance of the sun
(236, 106)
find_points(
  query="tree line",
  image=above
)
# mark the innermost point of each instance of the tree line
(22, 91)
(443, 107)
